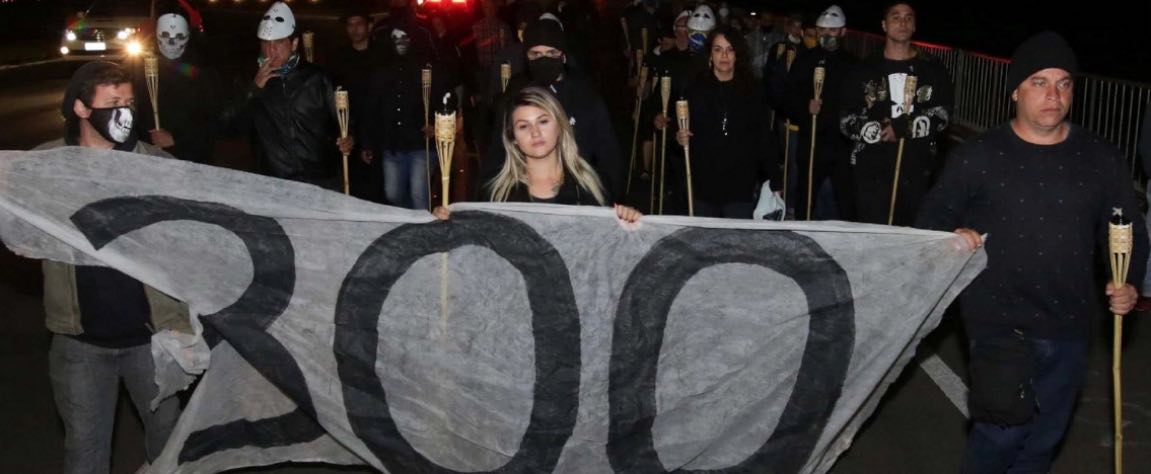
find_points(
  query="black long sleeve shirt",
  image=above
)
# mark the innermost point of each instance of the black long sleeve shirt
(1045, 209)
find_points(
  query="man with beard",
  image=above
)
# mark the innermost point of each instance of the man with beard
(187, 91)
(291, 106)
(101, 319)
(544, 44)
(873, 117)
(831, 165)
(394, 121)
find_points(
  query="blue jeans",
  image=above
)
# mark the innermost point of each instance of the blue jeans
(406, 178)
(1060, 367)
(86, 386)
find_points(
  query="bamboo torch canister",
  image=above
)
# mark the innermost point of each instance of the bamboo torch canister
(817, 79)
(310, 46)
(342, 117)
(1120, 238)
(683, 116)
(152, 76)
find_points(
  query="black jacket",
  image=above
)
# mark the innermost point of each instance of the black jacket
(294, 117)
(395, 112)
(800, 89)
(732, 149)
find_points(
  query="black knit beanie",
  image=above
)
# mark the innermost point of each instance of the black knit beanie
(544, 33)
(1042, 51)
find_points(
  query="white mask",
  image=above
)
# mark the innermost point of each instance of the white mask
(702, 19)
(402, 41)
(172, 35)
(277, 23)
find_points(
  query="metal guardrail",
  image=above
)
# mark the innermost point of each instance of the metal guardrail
(1113, 108)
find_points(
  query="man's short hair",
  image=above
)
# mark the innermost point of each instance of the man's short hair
(355, 12)
(107, 76)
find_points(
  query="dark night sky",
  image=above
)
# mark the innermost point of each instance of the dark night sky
(1110, 37)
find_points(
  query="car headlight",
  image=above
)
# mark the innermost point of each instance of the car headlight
(70, 35)
(64, 50)
(134, 48)
(122, 35)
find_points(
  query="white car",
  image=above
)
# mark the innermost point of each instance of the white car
(110, 28)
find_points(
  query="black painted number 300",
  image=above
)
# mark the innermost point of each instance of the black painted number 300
(641, 317)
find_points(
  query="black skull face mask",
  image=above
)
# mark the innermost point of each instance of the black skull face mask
(112, 123)
(402, 41)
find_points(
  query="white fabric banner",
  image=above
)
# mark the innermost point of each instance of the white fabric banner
(510, 338)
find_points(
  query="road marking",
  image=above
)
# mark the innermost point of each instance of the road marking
(34, 63)
(947, 381)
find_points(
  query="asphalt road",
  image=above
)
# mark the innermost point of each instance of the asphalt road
(918, 428)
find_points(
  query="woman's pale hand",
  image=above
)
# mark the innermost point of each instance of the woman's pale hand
(628, 216)
(442, 213)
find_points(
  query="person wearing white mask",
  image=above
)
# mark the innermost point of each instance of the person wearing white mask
(187, 94)
(831, 167)
(290, 104)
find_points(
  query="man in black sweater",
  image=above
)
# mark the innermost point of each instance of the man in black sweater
(1043, 189)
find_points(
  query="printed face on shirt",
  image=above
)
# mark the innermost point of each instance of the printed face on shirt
(722, 55)
(1043, 100)
(899, 22)
(535, 130)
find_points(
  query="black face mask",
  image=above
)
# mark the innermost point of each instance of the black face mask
(112, 123)
(545, 69)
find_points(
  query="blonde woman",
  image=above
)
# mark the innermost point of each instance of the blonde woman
(544, 164)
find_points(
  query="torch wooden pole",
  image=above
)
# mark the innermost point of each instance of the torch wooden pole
(817, 78)
(342, 116)
(908, 97)
(1120, 240)
(665, 95)
(683, 116)
(635, 123)
(786, 136)
(152, 75)
(426, 90)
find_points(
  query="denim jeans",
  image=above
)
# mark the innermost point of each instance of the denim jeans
(86, 386)
(1060, 367)
(406, 178)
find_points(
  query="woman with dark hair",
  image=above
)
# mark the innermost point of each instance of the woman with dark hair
(732, 149)
(544, 163)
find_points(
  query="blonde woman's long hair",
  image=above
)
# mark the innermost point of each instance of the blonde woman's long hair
(514, 171)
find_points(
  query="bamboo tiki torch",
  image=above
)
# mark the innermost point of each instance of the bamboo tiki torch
(152, 75)
(817, 78)
(1120, 237)
(908, 97)
(445, 145)
(635, 123)
(505, 75)
(310, 46)
(665, 94)
(787, 136)
(342, 117)
(683, 116)
(426, 90)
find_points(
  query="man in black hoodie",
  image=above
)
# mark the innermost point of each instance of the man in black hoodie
(544, 44)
